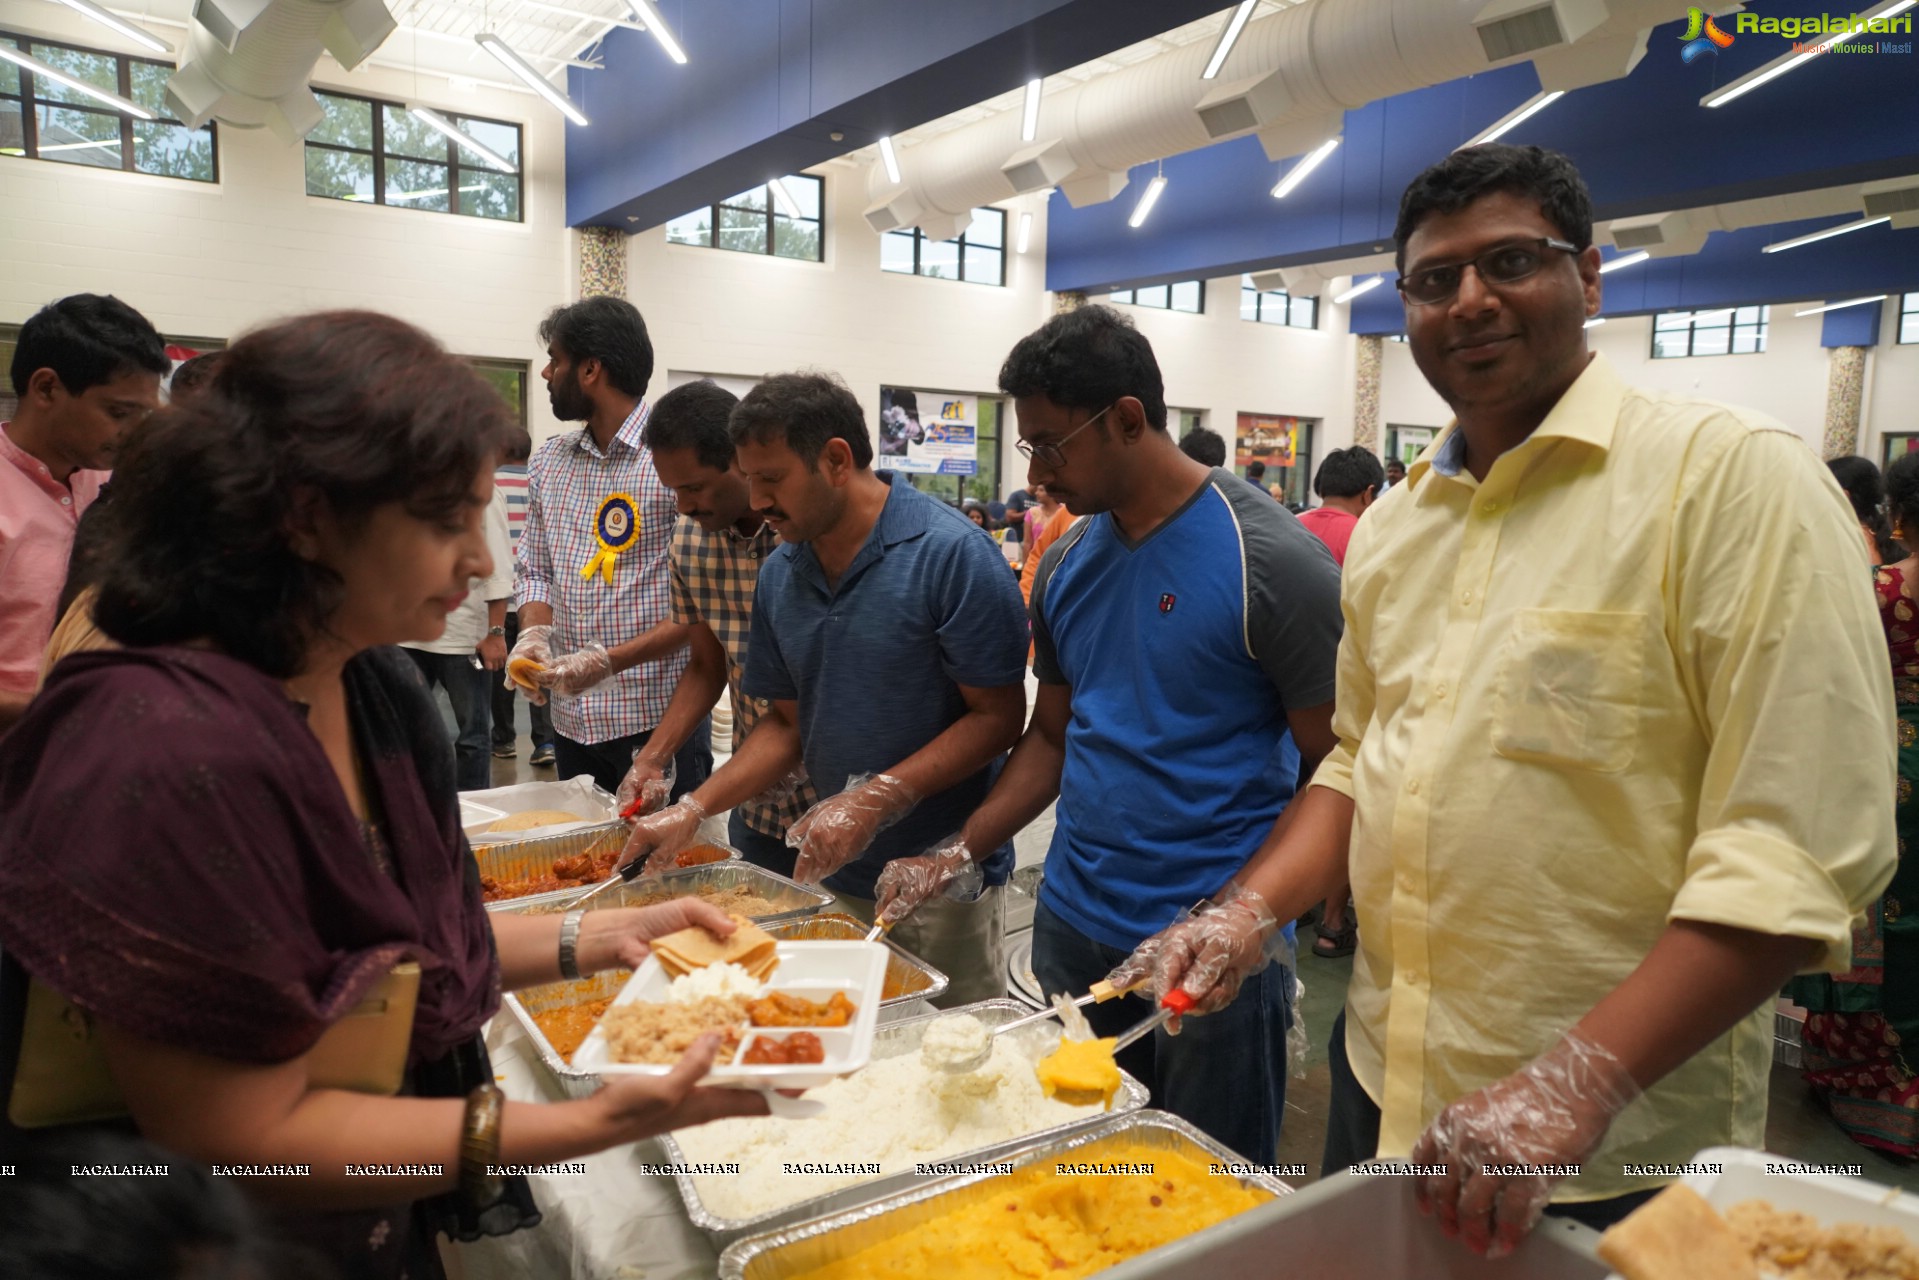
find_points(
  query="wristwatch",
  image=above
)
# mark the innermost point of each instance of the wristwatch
(496, 631)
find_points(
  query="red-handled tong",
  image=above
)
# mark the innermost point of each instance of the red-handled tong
(1173, 1002)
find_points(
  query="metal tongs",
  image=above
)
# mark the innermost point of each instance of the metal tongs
(625, 875)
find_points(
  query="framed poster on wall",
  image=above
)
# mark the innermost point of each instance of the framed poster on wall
(1284, 444)
(928, 432)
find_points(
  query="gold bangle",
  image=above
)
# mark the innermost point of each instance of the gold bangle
(480, 1144)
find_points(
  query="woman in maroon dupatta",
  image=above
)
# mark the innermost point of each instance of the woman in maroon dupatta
(218, 839)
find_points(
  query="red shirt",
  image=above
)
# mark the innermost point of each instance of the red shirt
(1332, 527)
(38, 515)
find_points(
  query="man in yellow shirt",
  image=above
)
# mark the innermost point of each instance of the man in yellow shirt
(1615, 746)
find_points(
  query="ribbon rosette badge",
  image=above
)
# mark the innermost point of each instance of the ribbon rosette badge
(616, 527)
(1702, 36)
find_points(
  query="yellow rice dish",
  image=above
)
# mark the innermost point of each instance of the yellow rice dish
(1058, 1226)
(1080, 1071)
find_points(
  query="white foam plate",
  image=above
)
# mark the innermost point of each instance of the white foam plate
(813, 969)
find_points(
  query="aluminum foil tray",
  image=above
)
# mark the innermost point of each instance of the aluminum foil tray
(808, 1246)
(912, 978)
(521, 859)
(791, 900)
(892, 1041)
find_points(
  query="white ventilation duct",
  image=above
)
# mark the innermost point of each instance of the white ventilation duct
(1287, 82)
(246, 62)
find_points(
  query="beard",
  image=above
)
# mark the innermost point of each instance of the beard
(570, 403)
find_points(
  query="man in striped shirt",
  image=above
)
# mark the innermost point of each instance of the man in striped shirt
(591, 571)
(510, 479)
(718, 548)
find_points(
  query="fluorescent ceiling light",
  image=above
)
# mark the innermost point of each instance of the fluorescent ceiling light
(1307, 163)
(1834, 306)
(1518, 116)
(1029, 123)
(1785, 62)
(58, 76)
(1626, 260)
(1147, 200)
(645, 12)
(1025, 231)
(784, 198)
(1228, 38)
(891, 161)
(145, 39)
(1595, 322)
(533, 80)
(1358, 289)
(1827, 234)
(434, 120)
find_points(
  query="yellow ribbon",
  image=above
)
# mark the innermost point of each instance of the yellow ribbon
(616, 527)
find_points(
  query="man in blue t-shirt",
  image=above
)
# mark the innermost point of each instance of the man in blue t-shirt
(1185, 632)
(891, 643)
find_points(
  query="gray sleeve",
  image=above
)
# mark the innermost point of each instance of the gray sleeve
(1293, 621)
(1045, 653)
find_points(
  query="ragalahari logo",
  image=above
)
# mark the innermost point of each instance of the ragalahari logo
(1702, 36)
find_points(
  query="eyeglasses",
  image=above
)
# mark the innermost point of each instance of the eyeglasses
(1503, 264)
(1049, 454)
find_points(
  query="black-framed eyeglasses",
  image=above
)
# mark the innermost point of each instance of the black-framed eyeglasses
(1049, 454)
(1507, 263)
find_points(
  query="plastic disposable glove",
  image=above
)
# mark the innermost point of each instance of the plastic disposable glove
(661, 837)
(839, 828)
(1208, 954)
(1550, 1114)
(905, 883)
(645, 787)
(572, 674)
(535, 645)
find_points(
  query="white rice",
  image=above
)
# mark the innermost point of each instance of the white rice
(897, 1111)
(725, 979)
(955, 1039)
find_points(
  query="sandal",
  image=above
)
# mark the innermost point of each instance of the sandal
(1335, 943)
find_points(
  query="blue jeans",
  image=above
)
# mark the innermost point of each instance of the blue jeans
(759, 848)
(1224, 1073)
(466, 689)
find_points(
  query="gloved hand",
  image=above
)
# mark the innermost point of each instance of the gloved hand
(572, 674)
(1208, 954)
(661, 837)
(1554, 1111)
(535, 646)
(839, 828)
(949, 867)
(645, 787)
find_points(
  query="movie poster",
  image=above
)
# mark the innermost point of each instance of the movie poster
(928, 432)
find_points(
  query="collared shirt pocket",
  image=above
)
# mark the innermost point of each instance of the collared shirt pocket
(1567, 688)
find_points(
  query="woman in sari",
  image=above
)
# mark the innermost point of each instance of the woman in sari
(217, 840)
(1863, 1026)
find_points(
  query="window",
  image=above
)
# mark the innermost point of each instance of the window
(1909, 318)
(1276, 306)
(45, 121)
(508, 377)
(380, 153)
(753, 222)
(1729, 331)
(977, 255)
(1185, 295)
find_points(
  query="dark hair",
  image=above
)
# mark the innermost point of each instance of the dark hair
(86, 339)
(192, 376)
(1255, 470)
(1347, 473)
(518, 447)
(1202, 445)
(1472, 172)
(904, 398)
(360, 407)
(1086, 359)
(1902, 496)
(606, 329)
(806, 410)
(1396, 462)
(693, 417)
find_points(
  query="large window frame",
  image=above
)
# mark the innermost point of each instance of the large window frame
(1165, 297)
(733, 223)
(1720, 331)
(508, 377)
(1909, 318)
(28, 99)
(1276, 306)
(929, 259)
(461, 165)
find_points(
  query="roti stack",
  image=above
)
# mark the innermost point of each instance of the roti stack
(1676, 1235)
(521, 672)
(750, 947)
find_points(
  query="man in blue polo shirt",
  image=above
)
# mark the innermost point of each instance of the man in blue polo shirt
(1185, 635)
(890, 640)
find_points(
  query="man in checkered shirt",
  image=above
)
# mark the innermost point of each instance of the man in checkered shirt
(718, 548)
(610, 655)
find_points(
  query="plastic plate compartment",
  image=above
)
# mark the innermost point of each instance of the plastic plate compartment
(1744, 1174)
(892, 1041)
(810, 1245)
(811, 969)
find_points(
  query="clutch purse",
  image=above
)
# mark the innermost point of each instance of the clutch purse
(61, 1076)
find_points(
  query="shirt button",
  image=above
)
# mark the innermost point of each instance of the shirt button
(66, 502)
(1465, 597)
(1404, 882)
(1491, 508)
(1414, 978)
(1413, 787)
(1439, 691)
